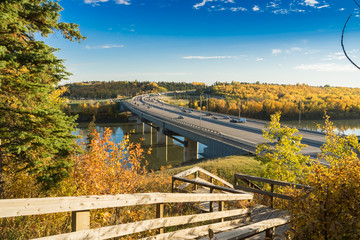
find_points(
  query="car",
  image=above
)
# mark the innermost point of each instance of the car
(214, 117)
(190, 111)
(183, 110)
(180, 117)
(238, 120)
(208, 114)
(226, 117)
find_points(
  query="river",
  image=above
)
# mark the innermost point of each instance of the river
(346, 127)
(157, 158)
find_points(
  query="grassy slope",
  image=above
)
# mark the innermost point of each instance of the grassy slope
(225, 167)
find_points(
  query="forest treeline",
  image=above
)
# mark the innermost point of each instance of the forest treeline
(123, 89)
(262, 100)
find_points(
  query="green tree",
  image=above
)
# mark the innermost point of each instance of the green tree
(33, 129)
(281, 155)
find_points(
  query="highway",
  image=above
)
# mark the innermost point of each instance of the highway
(249, 132)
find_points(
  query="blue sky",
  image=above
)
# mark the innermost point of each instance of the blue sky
(276, 41)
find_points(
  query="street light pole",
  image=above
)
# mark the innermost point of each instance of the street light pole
(300, 112)
(239, 108)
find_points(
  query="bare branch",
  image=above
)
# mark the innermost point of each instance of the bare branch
(342, 42)
(357, 3)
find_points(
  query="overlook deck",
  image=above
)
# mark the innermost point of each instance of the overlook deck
(235, 217)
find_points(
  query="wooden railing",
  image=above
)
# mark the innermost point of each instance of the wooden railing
(207, 180)
(252, 187)
(81, 207)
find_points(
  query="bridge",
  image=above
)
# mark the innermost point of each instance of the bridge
(222, 137)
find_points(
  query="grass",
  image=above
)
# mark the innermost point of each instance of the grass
(177, 102)
(224, 167)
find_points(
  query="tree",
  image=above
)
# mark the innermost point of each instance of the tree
(281, 156)
(330, 209)
(33, 129)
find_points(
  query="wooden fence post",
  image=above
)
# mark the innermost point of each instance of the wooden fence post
(269, 233)
(196, 175)
(80, 220)
(221, 208)
(211, 208)
(271, 197)
(172, 185)
(160, 214)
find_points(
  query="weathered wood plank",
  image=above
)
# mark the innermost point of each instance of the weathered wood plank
(184, 185)
(270, 181)
(252, 229)
(216, 177)
(187, 172)
(209, 185)
(35, 206)
(196, 231)
(196, 169)
(141, 226)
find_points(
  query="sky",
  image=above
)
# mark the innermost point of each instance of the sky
(275, 41)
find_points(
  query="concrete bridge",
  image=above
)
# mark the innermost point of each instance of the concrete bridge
(222, 137)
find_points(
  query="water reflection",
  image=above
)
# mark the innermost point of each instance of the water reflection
(161, 154)
(347, 127)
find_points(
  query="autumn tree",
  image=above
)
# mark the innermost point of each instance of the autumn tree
(282, 154)
(33, 130)
(330, 210)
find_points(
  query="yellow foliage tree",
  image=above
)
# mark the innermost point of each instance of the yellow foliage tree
(330, 210)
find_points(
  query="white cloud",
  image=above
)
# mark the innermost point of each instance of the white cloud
(281, 11)
(95, 2)
(259, 59)
(276, 51)
(294, 49)
(311, 2)
(125, 2)
(256, 8)
(236, 9)
(326, 67)
(323, 6)
(104, 46)
(334, 56)
(208, 57)
(342, 9)
(201, 4)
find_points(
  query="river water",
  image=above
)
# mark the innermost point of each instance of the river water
(160, 156)
(347, 127)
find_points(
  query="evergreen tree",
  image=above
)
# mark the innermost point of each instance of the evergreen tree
(33, 129)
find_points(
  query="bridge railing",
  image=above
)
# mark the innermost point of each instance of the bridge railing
(245, 145)
(81, 207)
(254, 188)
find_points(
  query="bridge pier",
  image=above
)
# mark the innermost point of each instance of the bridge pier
(147, 128)
(138, 121)
(161, 138)
(190, 149)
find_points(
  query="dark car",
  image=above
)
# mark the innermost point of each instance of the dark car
(180, 117)
(208, 114)
(226, 117)
(214, 117)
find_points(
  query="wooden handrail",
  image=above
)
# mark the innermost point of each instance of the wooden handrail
(270, 181)
(36, 206)
(209, 185)
(198, 169)
(82, 205)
